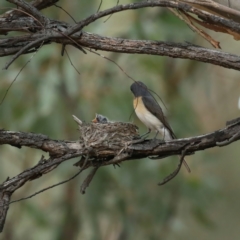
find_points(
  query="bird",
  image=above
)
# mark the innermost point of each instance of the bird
(100, 119)
(150, 113)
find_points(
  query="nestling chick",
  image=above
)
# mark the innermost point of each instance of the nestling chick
(100, 119)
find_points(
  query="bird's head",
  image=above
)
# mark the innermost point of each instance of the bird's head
(100, 119)
(139, 89)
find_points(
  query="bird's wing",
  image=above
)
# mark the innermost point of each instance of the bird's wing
(152, 106)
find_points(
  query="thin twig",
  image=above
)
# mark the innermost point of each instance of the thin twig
(76, 44)
(117, 159)
(111, 14)
(19, 73)
(99, 6)
(88, 180)
(47, 188)
(90, 50)
(26, 47)
(41, 168)
(65, 12)
(228, 141)
(175, 173)
(85, 161)
(203, 34)
(71, 62)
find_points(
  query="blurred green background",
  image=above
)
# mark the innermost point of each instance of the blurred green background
(123, 203)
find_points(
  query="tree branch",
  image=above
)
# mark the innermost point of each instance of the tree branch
(170, 49)
(94, 41)
(181, 5)
(38, 4)
(56, 31)
(63, 150)
(143, 149)
(42, 4)
(99, 155)
(4, 205)
(31, 10)
(41, 30)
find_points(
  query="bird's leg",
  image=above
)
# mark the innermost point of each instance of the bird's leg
(164, 134)
(156, 135)
(149, 130)
(162, 140)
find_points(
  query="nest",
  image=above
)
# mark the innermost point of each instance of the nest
(103, 141)
(112, 135)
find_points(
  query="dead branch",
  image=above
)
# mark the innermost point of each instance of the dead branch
(41, 31)
(227, 9)
(31, 10)
(100, 155)
(175, 50)
(60, 32)
(4, 201)
(181, 5)
(38, 4)
(146, 148)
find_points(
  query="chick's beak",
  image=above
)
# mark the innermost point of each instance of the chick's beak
(95, 120)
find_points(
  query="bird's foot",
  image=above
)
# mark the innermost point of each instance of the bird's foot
(158, 140)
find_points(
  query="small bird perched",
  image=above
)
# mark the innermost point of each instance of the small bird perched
(100, 119)
(150, 113)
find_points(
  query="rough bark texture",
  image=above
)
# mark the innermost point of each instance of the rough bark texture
(4, 205)
(98, 156)
(44, 31)
(61, 151)
(39, 30)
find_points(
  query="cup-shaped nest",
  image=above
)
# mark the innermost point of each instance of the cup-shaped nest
(110, 135)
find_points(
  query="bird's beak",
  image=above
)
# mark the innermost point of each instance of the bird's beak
(94, 120)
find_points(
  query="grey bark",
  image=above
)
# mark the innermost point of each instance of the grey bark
(41, 31)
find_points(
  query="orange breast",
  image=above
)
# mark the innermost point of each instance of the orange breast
(138, 105)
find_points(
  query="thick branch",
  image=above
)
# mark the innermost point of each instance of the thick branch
(64, 150)
(56, 32)
(38, 141)
(61, 151)
(158, 3)
(44, 31)
(147, 148)
(175, 50)
(5, 197)
(31, 10)
(42, 4)
(18, 17)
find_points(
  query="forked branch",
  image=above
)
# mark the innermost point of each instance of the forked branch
(64, 33)
(61, 151)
